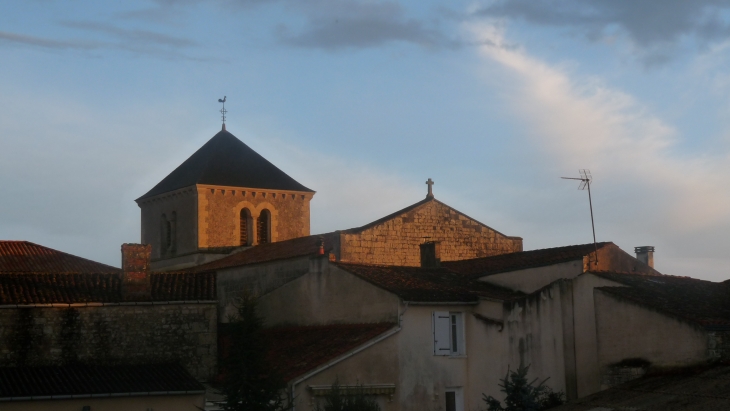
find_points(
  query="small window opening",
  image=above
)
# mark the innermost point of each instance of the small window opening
(245, 232)
(262, 227)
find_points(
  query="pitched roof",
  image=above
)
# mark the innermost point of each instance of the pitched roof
(18, 383)
(692, 389)
(226, 161)
(296, 247)
(702, 302)
(479, 267)
(50, 288)
(296, 350)
(27, 257)
(428, 285)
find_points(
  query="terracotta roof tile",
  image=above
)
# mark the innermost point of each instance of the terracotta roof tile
(296, 247)
(296, 350)
(479, 267)
(428, 285)
(100, 287)
(85, 380)
(703, 302)
(27, 257)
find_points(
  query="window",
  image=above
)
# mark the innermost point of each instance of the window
(168, 228)
(245, 231)
(448, 333)
(262, 227)
(454, 399)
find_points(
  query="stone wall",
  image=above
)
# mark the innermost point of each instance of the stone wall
(111, 334)
(183, 203)
(396, 240)
(220, 207)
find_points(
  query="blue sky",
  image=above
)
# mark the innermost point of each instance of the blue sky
(362, 101)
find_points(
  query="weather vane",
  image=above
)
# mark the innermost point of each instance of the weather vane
(223, 110)
(585, 181)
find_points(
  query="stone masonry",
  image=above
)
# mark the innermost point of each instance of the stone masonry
(396, 240)
(112, 334)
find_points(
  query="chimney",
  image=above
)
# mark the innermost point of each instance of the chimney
(430, 254)
(136, 267)
(645, 254)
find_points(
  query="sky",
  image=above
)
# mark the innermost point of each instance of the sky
(363, 101)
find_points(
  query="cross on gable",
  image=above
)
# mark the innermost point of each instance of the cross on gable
(430, 184)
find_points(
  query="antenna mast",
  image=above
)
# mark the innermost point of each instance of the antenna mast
(585, 181)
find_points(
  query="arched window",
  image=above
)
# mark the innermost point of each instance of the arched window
(165, 234)
(262, 227)
(245, 232)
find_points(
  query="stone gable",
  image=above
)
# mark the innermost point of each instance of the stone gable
(394, 240)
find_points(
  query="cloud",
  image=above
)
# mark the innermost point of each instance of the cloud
(47, 43)
(336, 25)
(650, 188)
(654, 26)
(131, 36)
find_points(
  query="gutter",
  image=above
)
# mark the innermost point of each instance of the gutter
(442, 302)
(342, 358)
(98, 304)
(107, 395)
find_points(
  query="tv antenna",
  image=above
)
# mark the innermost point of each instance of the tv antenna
(223, 110)
(585, 181)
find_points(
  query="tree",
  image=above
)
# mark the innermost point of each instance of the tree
(249, 383)
(348, 399)
(523, 395)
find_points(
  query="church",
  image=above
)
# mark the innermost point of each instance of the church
(424, 309)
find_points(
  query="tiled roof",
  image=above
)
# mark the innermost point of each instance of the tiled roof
(296, 247)
(679, 390)
(100, 287)
(86, 380)
(478, 267)
(703, 302)
(296, 350)
(27, 257)
(428, 285)
(226, 161)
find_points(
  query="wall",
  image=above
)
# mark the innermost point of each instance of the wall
(155, 403)
(530, 280)
(325, 295)
(612, 258)
(540, 333)
(396, 241)
(219, 210)
(258, 279)
(184, 203)
(628, 332)
(112, 334)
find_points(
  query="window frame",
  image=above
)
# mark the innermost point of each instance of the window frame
(454, 327)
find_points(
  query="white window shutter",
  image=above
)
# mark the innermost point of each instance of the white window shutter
(441, 333)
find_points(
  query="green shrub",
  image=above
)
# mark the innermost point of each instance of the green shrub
(522, 395)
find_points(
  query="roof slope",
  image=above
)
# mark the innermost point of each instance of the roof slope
(27, 257)
(703, 302)
(87, 380)
(296, 350)
(226, 161)
(63, 288)
(296, 247)
(428, 285)
(479, 267)
(684, 390)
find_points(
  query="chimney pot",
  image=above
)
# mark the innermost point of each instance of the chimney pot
(645, 254)
(136, 269)
(431, 254)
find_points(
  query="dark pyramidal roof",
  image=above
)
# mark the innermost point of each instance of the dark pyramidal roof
(226, 161)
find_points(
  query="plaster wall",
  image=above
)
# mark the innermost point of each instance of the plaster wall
(586, 342)
(257, 279)
(396, 240)
(540, 331)
(326, 295)
(220, 206)
(377, 364)
(629, 331)
(488, 360)
(532, 279)
(116, 334)
(183, 203)
(154, 402)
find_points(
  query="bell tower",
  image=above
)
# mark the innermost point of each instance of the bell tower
(224, 197)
